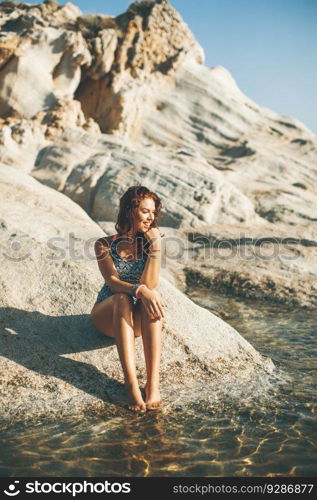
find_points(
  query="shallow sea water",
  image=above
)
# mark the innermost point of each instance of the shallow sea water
(229, 432)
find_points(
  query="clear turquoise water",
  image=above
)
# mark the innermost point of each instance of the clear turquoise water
(270, 435)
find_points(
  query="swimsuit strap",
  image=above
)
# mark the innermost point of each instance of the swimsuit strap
(114, 243)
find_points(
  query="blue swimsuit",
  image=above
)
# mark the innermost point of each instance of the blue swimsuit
(130, 271)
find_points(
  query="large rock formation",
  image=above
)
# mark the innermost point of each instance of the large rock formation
(112, 66)
(94, 171)
(53, 361)
(140, 76)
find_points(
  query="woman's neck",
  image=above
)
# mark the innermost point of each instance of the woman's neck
(131, 235)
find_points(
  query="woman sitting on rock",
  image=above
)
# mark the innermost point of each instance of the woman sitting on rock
(128, 305)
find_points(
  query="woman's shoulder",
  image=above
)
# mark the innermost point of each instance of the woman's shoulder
(106, 240)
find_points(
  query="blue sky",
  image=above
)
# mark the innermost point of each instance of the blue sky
(269, 46)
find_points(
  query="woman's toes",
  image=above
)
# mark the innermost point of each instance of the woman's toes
(153, 398)
(138, 408)
(135, 400)
(155, 405)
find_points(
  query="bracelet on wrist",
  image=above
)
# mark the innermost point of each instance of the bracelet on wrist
(134, 289)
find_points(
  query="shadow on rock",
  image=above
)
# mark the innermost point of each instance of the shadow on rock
(39, 342)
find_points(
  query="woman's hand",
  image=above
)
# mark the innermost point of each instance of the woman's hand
(154, 238)
(151, 300)
(153, 234)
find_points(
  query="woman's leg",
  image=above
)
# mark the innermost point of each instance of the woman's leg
(124, 336)
(151, 336)
(102, 317)
(116, 318)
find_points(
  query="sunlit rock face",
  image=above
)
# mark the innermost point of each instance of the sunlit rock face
(135, 58)
(94, 171)
(113, 66)
(40, 58)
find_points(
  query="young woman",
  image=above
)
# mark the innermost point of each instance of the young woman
(128, 305)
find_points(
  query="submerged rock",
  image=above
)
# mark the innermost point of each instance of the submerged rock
(258, 262)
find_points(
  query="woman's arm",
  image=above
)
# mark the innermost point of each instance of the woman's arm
(151, 273)
(109, 272)
(108, 269)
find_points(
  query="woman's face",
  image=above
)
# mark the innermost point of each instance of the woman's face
(144, 215)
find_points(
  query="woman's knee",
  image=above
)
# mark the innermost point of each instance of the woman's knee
(147, 314)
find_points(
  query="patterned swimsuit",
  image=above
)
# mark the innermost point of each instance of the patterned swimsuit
(129, 271)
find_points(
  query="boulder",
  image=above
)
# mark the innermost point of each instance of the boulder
(95, 170)
(53, 361)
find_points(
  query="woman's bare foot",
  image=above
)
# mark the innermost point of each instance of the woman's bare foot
(152, 398)
(135, 401)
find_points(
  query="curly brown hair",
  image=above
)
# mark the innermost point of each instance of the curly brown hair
(129, 201)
